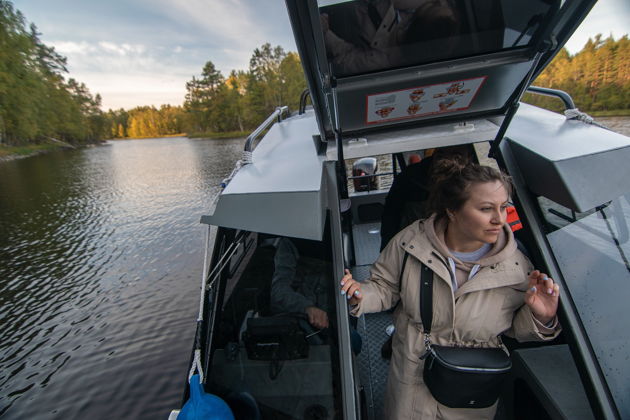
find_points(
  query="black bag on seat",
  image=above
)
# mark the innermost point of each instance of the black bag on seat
(275, 338)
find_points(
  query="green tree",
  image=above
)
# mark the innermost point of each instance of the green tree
(203, 99)
(265, 90)
(597, 77)
(36, 103)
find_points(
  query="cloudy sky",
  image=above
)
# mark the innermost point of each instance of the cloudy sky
(142, 52)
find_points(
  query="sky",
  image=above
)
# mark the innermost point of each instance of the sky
(142, 52)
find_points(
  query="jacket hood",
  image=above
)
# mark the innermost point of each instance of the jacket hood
(503, 248)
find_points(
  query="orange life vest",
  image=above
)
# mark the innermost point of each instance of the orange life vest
(513, 220)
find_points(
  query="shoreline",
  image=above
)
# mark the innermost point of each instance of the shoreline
(616, 113)
(164, 136)
(220, 136)
(11, 153)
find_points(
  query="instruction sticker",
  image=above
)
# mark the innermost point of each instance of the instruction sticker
(421, 101)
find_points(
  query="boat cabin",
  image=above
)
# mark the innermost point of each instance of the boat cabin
(390, 82)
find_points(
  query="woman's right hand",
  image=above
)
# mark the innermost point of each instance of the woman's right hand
(351, 288)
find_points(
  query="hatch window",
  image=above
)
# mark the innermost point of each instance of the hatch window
(593, 252)
(266, 352)
(363, 36)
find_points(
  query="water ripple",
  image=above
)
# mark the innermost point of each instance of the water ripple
(100, 256)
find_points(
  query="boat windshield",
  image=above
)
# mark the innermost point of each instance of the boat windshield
(275, 349)
(593, 252)
(364, 36)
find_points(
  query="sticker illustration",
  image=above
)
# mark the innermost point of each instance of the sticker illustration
(447, 103)
(456, 95)
(413, 109)
(384, 112)
(454, 88)
(416, 95)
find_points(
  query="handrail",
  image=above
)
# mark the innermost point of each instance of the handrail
(305, 94)
(570, 110)
(270, 119)
(565, 97)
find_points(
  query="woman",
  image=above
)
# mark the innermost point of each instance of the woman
(483, 286)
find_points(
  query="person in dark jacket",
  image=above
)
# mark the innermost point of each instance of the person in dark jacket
(406, 200)
(301, 285)
(298, 284)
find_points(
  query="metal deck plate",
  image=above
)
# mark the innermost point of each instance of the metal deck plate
(373, 368)
(367, 241)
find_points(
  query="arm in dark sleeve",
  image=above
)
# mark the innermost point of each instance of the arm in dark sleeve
(283, 297)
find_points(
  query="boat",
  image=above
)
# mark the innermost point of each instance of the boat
(460, 86)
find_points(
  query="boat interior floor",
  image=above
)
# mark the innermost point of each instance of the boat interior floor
(373, 368)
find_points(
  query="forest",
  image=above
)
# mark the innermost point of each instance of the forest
(38, 104)
(597, 77)
(215, 104)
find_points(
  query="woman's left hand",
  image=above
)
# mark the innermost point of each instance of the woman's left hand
(542, 296)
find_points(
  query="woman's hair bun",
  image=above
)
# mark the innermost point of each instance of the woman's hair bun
(445, 168)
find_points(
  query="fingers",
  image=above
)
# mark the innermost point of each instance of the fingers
(533, 278)
(346, 282)
(350, 288)
(318, 318)
(324, 320)
(543, 284)
(556, 290)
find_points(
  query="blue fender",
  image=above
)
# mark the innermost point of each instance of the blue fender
(203, 406)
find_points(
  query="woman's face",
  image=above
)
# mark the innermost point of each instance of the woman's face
(480, 219)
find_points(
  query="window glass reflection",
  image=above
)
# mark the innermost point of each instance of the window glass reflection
(369, 35)
(592, 250)
(275, 347)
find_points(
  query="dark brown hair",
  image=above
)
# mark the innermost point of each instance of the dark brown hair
(452, 179)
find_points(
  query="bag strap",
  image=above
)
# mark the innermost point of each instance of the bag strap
(426, 298)
(402, 270)
(426, 293)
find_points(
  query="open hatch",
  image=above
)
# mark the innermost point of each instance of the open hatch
(383, 65)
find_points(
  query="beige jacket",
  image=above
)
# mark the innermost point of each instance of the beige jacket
(483, 308)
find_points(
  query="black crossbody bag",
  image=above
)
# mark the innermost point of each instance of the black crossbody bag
(459, 377)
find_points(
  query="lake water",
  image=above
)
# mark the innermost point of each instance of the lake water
(100, 265)
(618, 124)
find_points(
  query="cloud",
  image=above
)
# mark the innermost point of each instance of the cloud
(607, 18)
(144, 75)
(122, 99)
(70, 47)
(152, 45)
(226, 22)
(130, 89)
(122, 49)
(226, 32)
